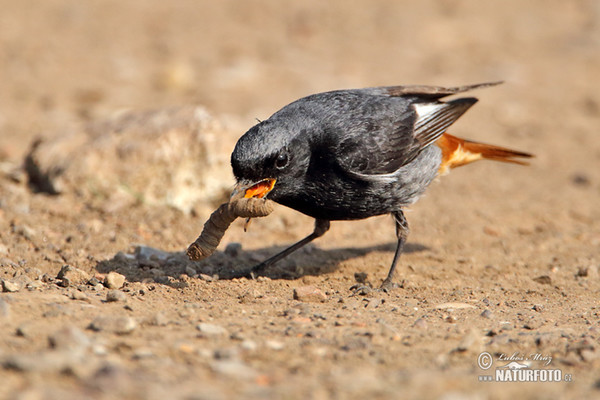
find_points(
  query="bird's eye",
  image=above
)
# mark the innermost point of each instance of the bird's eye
(281, 161)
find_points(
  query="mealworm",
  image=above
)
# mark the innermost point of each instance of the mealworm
(219, 221)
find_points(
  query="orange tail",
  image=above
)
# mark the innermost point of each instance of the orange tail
(457, 152)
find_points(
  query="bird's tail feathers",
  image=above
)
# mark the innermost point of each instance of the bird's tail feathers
(457, 152)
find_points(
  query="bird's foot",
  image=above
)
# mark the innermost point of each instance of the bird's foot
(360, 289)
(388, 285)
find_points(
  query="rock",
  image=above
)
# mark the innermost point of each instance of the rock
(249, 345)
(361, 277)
(72, 275)
(191, 272)
(10, 286)
(115, 295)
(234, 369)
(543, 280)
(207, 278)
(309, 294)
(26, 330)
(487, 314)
(168, 156)
(275, 345)
(150, 253)
(77, 295)
(116, 324)
(420, 324)
(233, 249)
(207, 329)
(47, 361)
(69, 338)
(158, 319)
(114, 280)
(538, 307)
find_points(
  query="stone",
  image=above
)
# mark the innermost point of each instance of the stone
(310, 294)
(10, 286)
(234, 369)
(420, 324)
(77, 295)
(115, 295)
(487, 314)
(114, 280)
(120, 325)
(158, 319)
(543, 280)
(150, 253)
(207, 329)
(73, 275)
(69, 338)
(274, 345)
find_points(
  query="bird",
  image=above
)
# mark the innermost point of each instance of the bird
(357, 153)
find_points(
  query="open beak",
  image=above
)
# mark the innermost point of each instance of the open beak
(248, 189)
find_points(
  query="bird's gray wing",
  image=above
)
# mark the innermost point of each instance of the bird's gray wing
(379, 146)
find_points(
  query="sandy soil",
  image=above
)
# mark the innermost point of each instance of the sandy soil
(501, 259)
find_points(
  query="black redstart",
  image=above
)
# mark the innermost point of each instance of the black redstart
(354, 154)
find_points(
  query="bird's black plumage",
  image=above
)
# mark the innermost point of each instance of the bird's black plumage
(351, 154)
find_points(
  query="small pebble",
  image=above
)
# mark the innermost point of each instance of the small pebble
(25, 330)
(115, 295)
(420, 324)
(361, 277)
(274, 345)
(114, 280)
(69, 338)
(116, 324)
(159, 319)
(309, 294)
(234, 369)
(191, 272)
(72, 276)
(77, 295)
(487, 314)
(249, 345)
(543, 280)
(150, 253)
(538, 307)
(206, 278)
(211, 329)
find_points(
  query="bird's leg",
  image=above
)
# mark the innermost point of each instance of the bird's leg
(402, 231)
(321, 226)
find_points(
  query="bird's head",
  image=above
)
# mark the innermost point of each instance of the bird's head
(269, 159)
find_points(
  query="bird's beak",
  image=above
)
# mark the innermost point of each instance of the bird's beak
(249, 189)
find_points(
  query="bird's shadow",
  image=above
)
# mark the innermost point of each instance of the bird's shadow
(147, 264)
